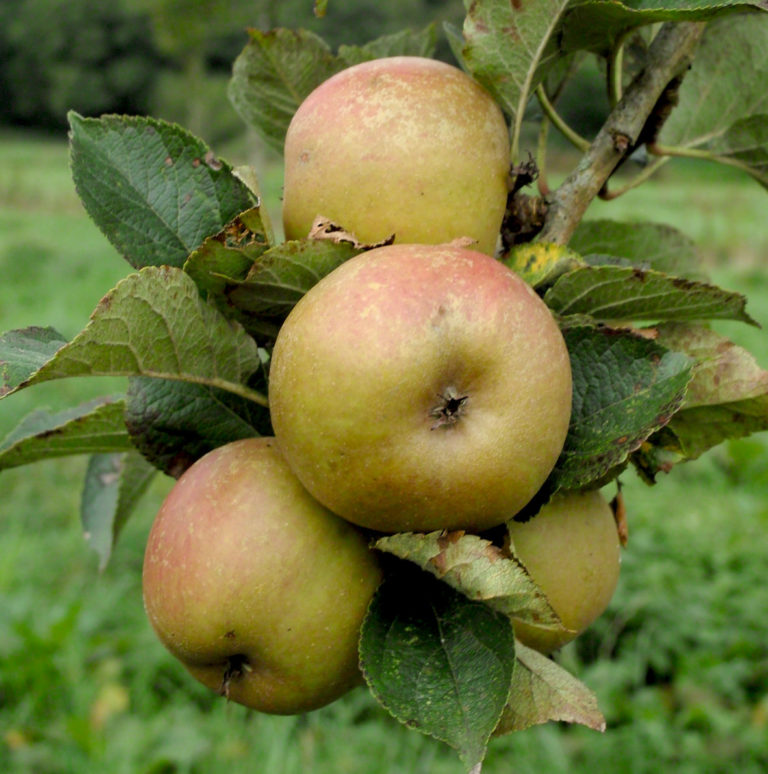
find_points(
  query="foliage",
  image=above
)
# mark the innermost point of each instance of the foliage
(213, 285)
(91, 56)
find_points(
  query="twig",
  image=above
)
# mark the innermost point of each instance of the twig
(669, 55)
(549, 111)
(646, 174)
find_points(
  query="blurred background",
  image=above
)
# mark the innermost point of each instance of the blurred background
(680, 660)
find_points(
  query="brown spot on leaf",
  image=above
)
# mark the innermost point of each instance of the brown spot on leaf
(212, 161)
(449, 538)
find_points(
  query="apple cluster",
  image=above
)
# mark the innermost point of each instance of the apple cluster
(422, 385)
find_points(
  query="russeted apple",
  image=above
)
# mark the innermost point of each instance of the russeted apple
(571, 550)
(421, 387)
(402, 145)
(254, 586)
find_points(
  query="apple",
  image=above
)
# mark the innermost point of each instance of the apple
(421, 387)
(571, 550)
(254, 586)
(402, 145)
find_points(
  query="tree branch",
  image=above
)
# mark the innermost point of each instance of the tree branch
(669, 55)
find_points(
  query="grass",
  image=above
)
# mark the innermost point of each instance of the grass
(678, 662)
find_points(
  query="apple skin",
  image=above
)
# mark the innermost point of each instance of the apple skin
(255, 587)
(403, 145)
(421, 387)
(571, 550)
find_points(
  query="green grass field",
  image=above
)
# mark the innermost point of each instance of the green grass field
(679, 662)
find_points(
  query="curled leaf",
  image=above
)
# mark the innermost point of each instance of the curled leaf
(325, 228)
(479, 570)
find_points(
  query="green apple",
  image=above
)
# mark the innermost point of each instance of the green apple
(571, 550)
(254, 586)
(403, 145)
(421, 387)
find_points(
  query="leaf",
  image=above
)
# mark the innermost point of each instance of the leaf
(697, 430)
(285, 273)
(263, 224)
(403, 43)
(541, 263)
(508, 49)
(543, 691)
(113, 485)
(155, 190)
(642, 245)
(273, 75)
(23, 351)
(624, 388)
(478, 569)
(727, 398)
(596, 25)
(746, 142)
(175, 423)
(154, 323)
(626, 293)
(93, 427)
(437, 661)
(724, 372)
(726, 83)
(260, 293)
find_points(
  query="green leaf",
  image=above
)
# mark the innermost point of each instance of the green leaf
(23, 351)
(113, 485)
(93, 427)
(697, 430)
(624, 389)
(726, 83)
(437, 661)
(273, 75)
(175, 423)
(154, 323)
(479, 570)
(541, 263)
(642, 245)
(155, 190)
(260, 291)
(626, 293)
(543, 691)
(283, 274)
(403, 43)
(596, 25)
(508, 48)
(746, 143)
(727, 398)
